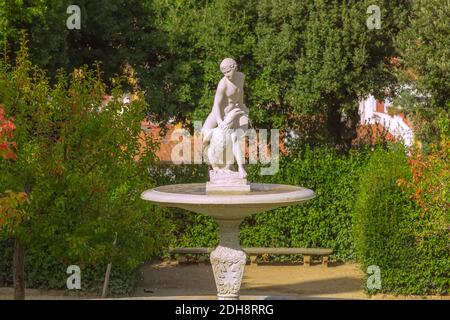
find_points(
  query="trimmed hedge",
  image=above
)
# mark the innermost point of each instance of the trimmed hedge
(322, 222)
(387, 224)
(360, 211)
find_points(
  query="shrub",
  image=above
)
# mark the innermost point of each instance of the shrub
(322, 222)
(6, 260)
(80, 162)
(429, 189)
(44, 271)
(391, 231)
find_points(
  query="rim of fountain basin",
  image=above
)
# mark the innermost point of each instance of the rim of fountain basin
(195, 193)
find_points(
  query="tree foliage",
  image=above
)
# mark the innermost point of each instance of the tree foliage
(7, 128)
(81, 165)
(302, 58)
(311, 59)
(424, 68)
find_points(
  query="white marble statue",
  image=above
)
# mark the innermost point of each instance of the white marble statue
(227, 122)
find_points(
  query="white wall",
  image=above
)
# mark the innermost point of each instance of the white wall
(394, 124)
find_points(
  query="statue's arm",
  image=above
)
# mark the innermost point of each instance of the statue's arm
(207, 135)
(241, 99)
(218, 102)
(242, 95)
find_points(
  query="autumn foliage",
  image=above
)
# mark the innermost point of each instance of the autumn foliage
(430, 179)
(10, 214)
(429, 185)
(6, 135)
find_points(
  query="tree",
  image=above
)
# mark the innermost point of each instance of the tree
(115, 32)
(307, 62)
(11, 214)
(424, 70)
(81, 164)
(323, 58)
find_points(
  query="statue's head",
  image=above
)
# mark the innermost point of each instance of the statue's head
(228, 67)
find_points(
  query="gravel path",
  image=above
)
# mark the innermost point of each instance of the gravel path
(169, 280)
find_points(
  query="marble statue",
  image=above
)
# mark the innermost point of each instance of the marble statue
(225, 127)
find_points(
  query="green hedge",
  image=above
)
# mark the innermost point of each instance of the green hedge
(360, 212)
(386, 221)
(6, 260)
(322, 222)
(44, 271)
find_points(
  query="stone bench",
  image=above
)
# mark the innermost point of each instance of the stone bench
(254, 252)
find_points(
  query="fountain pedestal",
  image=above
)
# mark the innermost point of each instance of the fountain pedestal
(228, 210)
(228, 261)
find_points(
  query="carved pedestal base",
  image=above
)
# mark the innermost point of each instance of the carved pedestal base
(228, 261)
(228, 267)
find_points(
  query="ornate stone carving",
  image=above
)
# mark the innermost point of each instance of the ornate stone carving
(228, 267)
(228, 260)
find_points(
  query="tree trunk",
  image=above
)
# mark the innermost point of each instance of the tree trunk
(342, 128)
(334, 124)
(19, 270)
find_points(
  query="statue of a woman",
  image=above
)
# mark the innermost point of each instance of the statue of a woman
(229, 112)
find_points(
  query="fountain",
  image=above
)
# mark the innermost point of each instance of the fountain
(228, 197)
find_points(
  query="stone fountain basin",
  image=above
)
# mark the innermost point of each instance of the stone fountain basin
(262, 197)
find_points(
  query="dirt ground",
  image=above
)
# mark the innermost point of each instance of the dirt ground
(170, 280)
